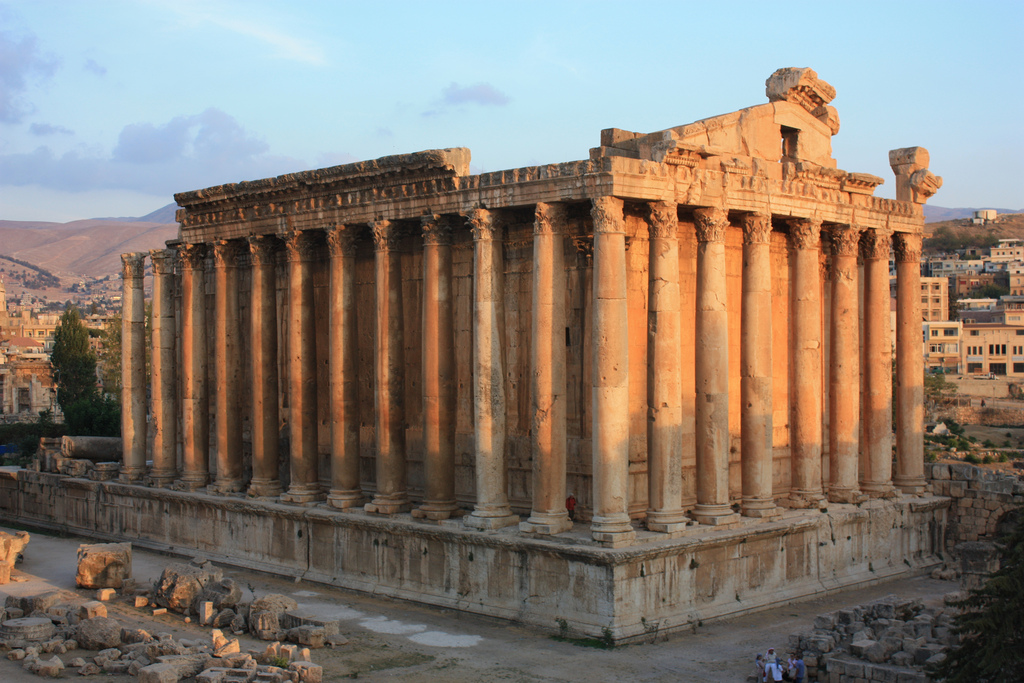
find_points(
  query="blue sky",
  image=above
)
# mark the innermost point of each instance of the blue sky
(108, 107)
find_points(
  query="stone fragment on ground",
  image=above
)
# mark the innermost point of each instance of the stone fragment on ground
(12, 546)
(181, 584)
(103, 565)
(98, 633)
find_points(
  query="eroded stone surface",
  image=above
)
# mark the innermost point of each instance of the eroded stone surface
(104, 565)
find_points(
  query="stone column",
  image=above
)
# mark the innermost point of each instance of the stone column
(805, 321)
(712, 371)
(228, 367)
(389, 388)
(610, 404)
(133, 367)
(492, 510)
(547, 375)
(664, 375)
(844, 377)
(304, 487)
(876, 411)
(196, 401)
(344, 368)
(909, 366)
(438, 370)
(266, 419)
(756, 368)
(165, 386)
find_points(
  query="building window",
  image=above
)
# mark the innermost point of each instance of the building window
(1018, 368)
(974, 367)
(948, 332)
(974, 333)
(997, 368)
(935, 333)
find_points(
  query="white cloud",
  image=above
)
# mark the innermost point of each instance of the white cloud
(20, 61)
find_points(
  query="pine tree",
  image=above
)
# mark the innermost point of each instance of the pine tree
(73, 362)
(991, 623)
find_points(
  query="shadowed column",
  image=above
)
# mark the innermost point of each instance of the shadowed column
(228, 367)
(664, 377)
(712, 371)
(492, 510)
(805, 320)
(438, 371)
(389, 388)
(195, 400)
(876, 411)
(133, 367)
(165, 409)
(345, 487)
(266, 422)
(304, 486)
(610, 524)
(756, 368)
(547, 373)
(909, 366)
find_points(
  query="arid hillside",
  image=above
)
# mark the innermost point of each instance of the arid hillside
(961, 233)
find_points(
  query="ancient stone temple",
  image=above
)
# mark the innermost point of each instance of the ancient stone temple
(391, 375)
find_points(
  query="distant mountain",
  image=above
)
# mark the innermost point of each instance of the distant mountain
(164, 214)
(934, 214)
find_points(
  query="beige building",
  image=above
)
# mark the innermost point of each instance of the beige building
(942, 346)
(395, 359)
(26, 380)
(992, 348)
(934, 298)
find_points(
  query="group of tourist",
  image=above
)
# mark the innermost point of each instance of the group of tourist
(771, 668)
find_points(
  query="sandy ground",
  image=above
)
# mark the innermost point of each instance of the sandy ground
(397, 641)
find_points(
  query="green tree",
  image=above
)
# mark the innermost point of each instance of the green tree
(937, 389)
(989, 292)
(73, 362)
(110, 357)
(991, 622)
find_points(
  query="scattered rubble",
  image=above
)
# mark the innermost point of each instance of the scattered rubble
(180, 585)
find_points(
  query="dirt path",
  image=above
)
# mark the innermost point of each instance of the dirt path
(397, 641)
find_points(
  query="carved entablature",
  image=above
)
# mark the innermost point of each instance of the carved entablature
(804, 233)
(710, 224)
(607, 214)
(757, 228)
(549, 219)
(133, 265)
(483, 224)
(386, 235)
(300, 245)
(845, 240)
(874, 244)
(815, 174)
(263, 250)
(163, 261)
(193, 256)
(907, 247)
(437, 230)
(341, 240)
(800, 86)
(914, 182)
(662, 220)
(860, 183)
(226, 253)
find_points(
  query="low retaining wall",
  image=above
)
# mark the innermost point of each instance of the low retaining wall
(563, 584)
(981, 498)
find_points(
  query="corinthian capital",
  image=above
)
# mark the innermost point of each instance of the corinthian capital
(300, 245)
(757, 228)
(483, 224)
(437, 231)
(133, 265)
(226, 253)
(845, 240)
(907, 247)
(193, 256)
(549, 219)
(607, 215)
(341, 240)
(874, 244)
(385, 234)
(710, 224)
(804, 233)
(263, 250)
(662, 219)
(163, 261)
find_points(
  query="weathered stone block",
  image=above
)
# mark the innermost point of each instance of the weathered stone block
(12, 545)
(32, 629)
(159, 673)
(99, 633)
(308, 672)
(180, 584)
(92, 609)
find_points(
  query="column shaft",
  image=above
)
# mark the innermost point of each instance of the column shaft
(228, 368)
(547, 376)
(610, 403)
(805, 317)
(909, 366)
(266, 420)
(664, 374)
(712, 372)
(844, 378)
(492, 509)
(389, 391)
(438, 370)
(195, 408)
(133, 367)
(305, 485)
(165, 410)
(876, 412)
(344, 364)
(756, 368)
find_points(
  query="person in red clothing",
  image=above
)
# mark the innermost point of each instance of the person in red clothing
(570, 505)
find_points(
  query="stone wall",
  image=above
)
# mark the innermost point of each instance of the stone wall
(993, 417)
(982, 498)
